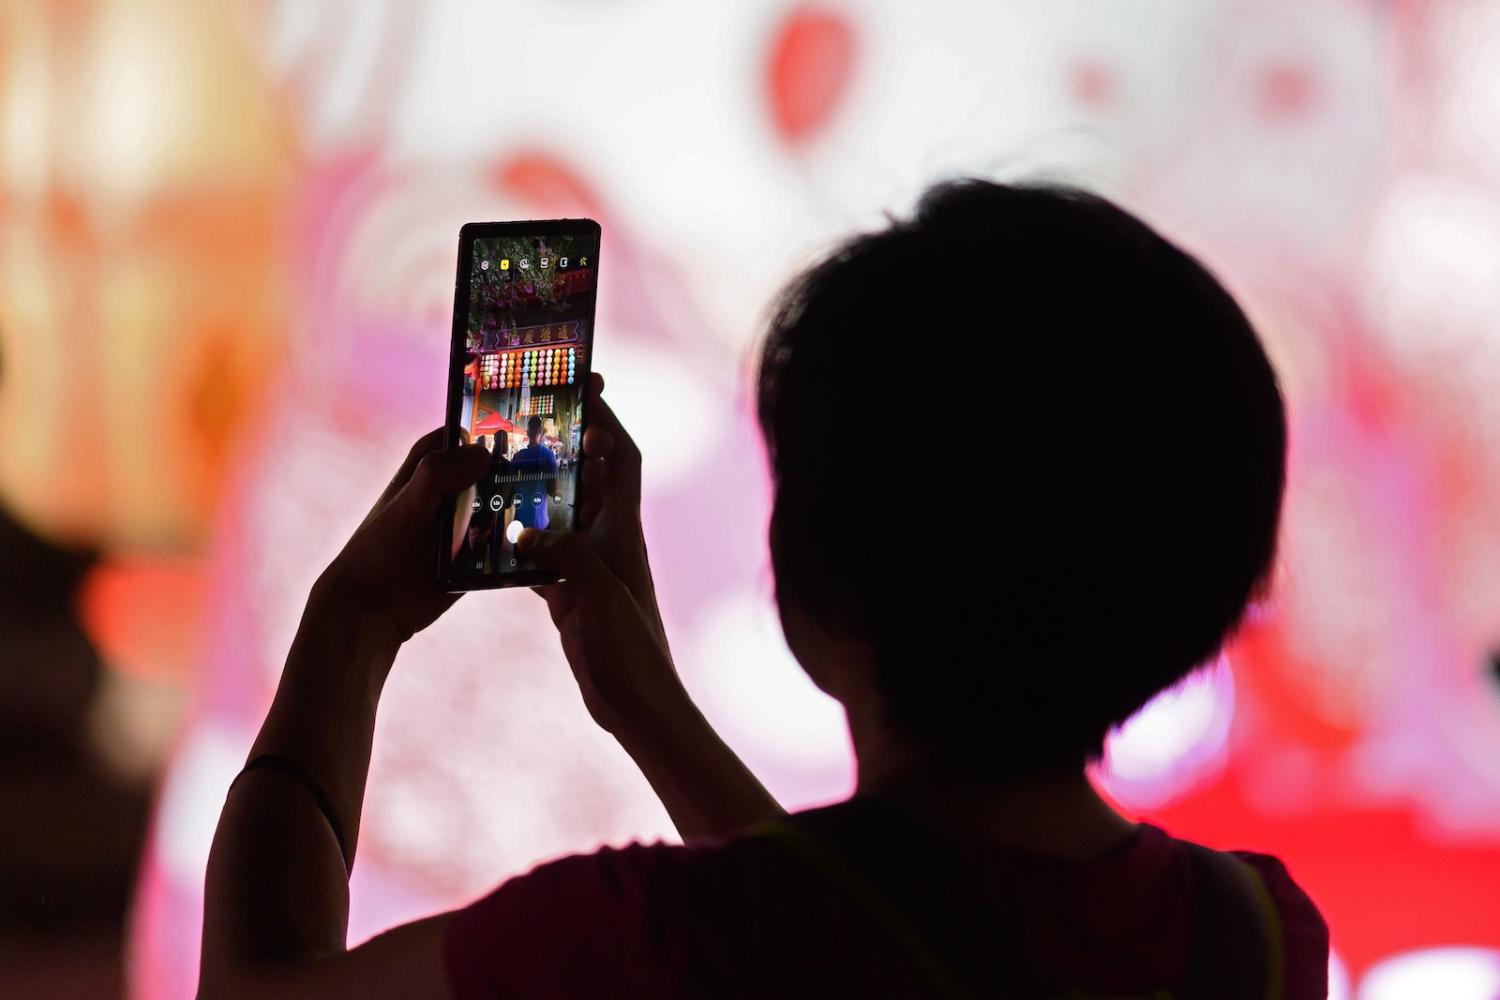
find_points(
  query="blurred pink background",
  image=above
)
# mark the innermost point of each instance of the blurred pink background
(227, 241)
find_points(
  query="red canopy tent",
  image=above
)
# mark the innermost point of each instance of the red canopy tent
(494, 423)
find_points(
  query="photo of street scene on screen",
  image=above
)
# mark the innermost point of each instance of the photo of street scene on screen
(526, 345)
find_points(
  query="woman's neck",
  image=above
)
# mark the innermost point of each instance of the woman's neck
(1057, 812)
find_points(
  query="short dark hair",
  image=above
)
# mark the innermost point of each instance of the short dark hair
(534, 426)
(1102, 498)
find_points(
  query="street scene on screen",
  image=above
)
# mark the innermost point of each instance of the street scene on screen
(526, 351)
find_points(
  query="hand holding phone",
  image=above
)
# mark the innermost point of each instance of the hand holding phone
(606, 611)
(612, 634)
(383, 575)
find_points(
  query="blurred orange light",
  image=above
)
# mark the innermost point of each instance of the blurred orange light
(143, 615)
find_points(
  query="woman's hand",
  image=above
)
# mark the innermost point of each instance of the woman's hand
(606, 611)
(386, 575)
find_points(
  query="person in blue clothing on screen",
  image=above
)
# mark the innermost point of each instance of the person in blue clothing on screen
(534, 460)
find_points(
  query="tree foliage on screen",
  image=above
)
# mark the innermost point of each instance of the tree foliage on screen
(497, 295)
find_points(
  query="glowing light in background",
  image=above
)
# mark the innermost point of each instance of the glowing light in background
(1450, 973)
(171, 366)
(1338, 978)
(1177, 740)
(205, 763)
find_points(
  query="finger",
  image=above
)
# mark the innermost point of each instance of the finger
(624, 456)
(603, 417)
(595, 470)
(440, 603)
(432, 441)
(594, 476)
(597, 443)
(439, 474)
(559, 600)
(568, 555)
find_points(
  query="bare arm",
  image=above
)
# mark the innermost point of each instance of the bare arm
(274, 849)
(632, 690)
(706, 789)
(276, 900)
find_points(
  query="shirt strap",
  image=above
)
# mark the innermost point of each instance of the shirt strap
(1237, 945)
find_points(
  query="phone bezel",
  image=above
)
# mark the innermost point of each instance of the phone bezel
(458, 358)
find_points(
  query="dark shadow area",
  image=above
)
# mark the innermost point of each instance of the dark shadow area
(71, 835)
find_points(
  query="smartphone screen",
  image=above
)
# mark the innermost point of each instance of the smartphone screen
(523, 330)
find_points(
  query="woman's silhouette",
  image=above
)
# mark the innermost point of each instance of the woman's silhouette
(1105, 533)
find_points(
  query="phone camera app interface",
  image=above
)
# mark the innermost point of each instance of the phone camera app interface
(526, 362)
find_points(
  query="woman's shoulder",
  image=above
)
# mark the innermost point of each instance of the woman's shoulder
(1293, 904)
(624, 880)
(599, 923)
(1287, 911)
(1303, 929)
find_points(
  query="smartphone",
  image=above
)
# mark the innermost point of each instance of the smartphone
(523, 337)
